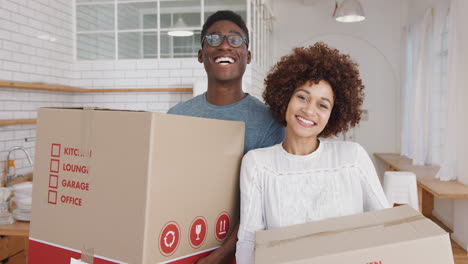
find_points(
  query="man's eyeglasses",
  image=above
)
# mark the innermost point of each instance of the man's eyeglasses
(214, 40)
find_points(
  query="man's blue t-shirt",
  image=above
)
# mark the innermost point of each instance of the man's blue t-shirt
(261, 130)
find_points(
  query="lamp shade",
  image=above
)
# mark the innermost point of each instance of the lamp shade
(179, 29)
(350, 11)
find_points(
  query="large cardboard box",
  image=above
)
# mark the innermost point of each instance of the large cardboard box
(399, 235)
(132, 187)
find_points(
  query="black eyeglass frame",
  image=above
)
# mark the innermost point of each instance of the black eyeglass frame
(226, 37)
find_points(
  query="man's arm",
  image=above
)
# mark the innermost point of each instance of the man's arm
(224, 254)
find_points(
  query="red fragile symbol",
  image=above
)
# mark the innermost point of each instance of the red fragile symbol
(197, 232)
(169, 238)
(222, 226)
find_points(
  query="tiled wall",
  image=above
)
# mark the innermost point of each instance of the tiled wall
(24, 56)
(147, 101)
(148, 73)
(22, 104)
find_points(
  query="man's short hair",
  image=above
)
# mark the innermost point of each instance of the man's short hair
(225, 15)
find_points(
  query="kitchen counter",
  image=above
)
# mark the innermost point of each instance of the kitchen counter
(14, 244)
(19, 228)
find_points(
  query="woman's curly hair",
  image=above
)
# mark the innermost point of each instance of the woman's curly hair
(313, 64)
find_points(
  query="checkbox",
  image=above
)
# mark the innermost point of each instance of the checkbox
(55, 150)
(54, 165)
(53, 197)
(53, 181)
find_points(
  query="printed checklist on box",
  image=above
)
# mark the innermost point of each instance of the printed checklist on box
(68, 175)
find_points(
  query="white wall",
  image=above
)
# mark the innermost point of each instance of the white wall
(417, 8)
(374, 43)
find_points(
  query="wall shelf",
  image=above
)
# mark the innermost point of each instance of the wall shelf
(64, 88)
(17, 122)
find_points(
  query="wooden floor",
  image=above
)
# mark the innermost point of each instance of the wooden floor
(460, 256)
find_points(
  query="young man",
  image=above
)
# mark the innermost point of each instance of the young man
(225, 55)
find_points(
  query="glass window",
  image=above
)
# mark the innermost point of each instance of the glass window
(180, 47)
(166, 20)
(187, 12)
(95, 46)
(138, 45)
(140, 29)
(95, 17)
(240, 7)
(93, 1)
(137, 15)
(150, 45)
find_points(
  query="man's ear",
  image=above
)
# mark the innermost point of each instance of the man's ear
(200, 56)
(249, 57)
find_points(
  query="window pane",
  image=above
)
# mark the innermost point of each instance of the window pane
(187, 10)
(166, 20)
(94, 17)
(238, 6)
(137, 15)
(138, 45)
(179, 47)
(95, 46)
(93, 1)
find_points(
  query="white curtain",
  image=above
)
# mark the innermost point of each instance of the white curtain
(425, 84)
(455, 141)
(417, 88)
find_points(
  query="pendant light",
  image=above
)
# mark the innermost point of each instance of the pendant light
(350, 11)
(179, 29)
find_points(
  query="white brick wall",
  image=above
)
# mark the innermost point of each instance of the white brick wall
(148, 101)
(27, 58)
(148, 73)
(23, 104)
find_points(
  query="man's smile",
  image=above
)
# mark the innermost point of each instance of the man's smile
(224, 60)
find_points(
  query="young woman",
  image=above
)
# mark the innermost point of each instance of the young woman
(315, 92)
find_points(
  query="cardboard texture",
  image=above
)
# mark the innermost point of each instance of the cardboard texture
(132, 187)
(399, 235)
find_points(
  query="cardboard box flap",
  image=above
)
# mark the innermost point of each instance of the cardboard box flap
(340, 230)
(346, 223)
(92, 108)
(348, 233)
